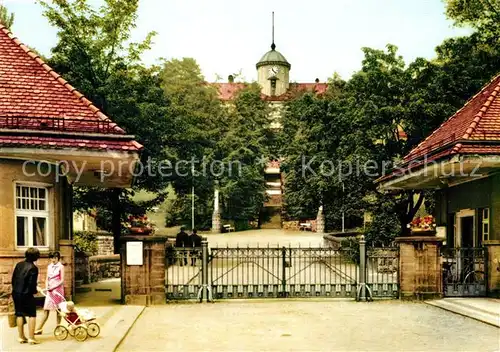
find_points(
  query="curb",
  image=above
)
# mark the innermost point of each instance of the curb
(129, 328)
(465, 312)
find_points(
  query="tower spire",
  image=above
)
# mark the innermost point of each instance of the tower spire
(273, 46)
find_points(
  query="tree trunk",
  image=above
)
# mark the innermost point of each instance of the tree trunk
(412, 209)
(116, 223)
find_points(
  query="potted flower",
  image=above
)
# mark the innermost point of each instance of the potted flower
(423, 226)
(139, 225)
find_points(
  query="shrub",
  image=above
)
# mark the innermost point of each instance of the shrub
(85, 241)
(351, 247)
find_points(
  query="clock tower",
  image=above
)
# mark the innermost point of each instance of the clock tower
(273, 71)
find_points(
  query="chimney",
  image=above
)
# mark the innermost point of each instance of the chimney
(230, 79)
(316, 80)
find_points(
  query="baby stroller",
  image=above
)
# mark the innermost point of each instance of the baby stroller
(81, 323)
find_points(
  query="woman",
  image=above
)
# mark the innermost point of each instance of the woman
(24, 286)
(55, 289)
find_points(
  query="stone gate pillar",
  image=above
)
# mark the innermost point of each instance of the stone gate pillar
(143, 270)
(420, 274)
(493, 267)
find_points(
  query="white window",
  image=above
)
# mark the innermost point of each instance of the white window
(486, 224)
(32, 216)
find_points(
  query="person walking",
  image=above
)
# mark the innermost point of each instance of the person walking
(195, 243)
(54, 284)
(24, 286)
(182, 241)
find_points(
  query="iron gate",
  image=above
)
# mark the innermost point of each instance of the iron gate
(464, 272)
(183, 274)
(382, 271)
(282, 272)
(274, 272)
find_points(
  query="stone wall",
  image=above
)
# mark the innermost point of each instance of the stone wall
(104, 267)
(96, 268)
(105, 244)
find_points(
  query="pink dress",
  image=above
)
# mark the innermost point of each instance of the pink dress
(54, 277)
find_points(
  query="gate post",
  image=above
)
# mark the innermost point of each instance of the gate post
(283, 271)
(362, 288)
(143, 270)
(420, 273)
(492, 267)
(206, 290)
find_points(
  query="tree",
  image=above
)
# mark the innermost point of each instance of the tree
(480, 14)
(224, 141)
(6, 18)
(196, 123)
(94, 55)
(244, 149)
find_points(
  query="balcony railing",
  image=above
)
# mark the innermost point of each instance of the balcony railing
(60, 124)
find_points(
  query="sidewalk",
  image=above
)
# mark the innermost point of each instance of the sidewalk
(486, 310)
(115, 321)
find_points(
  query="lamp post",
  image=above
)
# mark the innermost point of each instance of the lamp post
(192, 198)
(343, 219)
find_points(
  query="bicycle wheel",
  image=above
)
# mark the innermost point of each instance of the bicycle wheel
(93, 329)
(61, 333)
(81, 333)
(474, 277)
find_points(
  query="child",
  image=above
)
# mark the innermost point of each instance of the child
(71, 314)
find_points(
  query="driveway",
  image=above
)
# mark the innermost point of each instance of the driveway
(312, 325)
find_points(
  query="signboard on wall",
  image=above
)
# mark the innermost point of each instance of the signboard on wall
(134, 252)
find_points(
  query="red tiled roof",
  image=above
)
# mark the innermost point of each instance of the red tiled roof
(228, 91)
(474, 129)
(34, 97)
(479, 119)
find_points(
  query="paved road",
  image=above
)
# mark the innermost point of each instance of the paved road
(307, 326)
(275, 238)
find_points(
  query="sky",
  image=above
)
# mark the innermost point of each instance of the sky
(317, 37)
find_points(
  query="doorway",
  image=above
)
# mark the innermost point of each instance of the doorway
(467, 231)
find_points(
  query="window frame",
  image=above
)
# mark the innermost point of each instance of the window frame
(31, 214)
(485, 236)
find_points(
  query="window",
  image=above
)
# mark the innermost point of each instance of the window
(485, 224)
(32, 216)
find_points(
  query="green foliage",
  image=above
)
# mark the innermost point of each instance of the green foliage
(94, 53)
(6, 18)
(350, 245)
(385, 225)
(358, 120)
(481, 14)
(85, 241)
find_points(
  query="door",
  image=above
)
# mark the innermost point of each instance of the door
(467, 231)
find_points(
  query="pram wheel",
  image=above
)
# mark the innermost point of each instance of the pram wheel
(93, 329)
(60, 333)
(80, 333)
